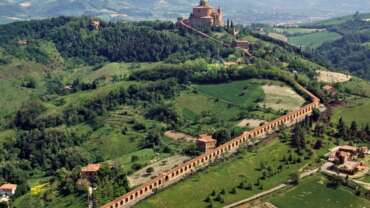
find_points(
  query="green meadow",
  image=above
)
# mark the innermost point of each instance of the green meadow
(356, 109)
(313, 40)
(313, 192)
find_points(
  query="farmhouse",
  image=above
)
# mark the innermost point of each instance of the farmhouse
(204, 15)
(90, 170)
(344, 159)
(7, 190)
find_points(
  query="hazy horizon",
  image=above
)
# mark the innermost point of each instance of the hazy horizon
(242, 11)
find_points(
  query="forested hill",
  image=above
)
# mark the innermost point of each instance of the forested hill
(74, 92)
(352, 51)
(78, 38)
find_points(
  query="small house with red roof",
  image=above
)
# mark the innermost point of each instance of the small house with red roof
(90, 170)
(206, 143)
(8, 189)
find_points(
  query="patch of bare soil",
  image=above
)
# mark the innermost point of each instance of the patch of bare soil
(250, 123)
(147, 173)
(281, 98)
(332, 77)
(179, 136)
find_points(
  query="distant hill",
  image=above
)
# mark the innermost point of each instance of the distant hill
(243, 11)
(351, 52)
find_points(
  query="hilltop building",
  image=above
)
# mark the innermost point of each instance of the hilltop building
(204, 15)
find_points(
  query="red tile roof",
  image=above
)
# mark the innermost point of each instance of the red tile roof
(91, 168)
(206, 138)
(8, 186)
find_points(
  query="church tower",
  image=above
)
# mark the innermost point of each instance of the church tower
(204, 15)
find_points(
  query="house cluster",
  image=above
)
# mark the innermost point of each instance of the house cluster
(345, 159)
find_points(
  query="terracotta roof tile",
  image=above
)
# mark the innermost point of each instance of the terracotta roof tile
(8, 186)
(206, 138)
(90, 168)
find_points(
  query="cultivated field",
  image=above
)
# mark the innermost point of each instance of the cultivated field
(295, 31)
(179, 136)
(313, 192)
(281, 98)
(332, 77)
(278, 36)
(313, 40)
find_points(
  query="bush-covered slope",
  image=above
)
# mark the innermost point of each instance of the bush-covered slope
(351, 52)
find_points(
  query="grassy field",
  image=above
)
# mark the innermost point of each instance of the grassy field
(32, 201)
(281, 97)
(244, 93)
(206, 107)
(313, 40)
(13, 95)
(226, 175)
(356, 109)
(278, 36)
(357, 86)
(293, 31)
(313, 192)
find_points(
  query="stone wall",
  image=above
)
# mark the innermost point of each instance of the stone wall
(177, 173)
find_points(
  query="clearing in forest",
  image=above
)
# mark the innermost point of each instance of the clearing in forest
(281, 98)
(332, 77)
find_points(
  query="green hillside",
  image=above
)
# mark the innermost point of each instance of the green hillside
(74, 94)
